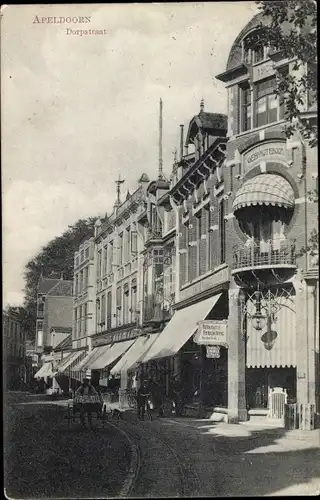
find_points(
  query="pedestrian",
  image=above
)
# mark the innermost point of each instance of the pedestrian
(85, 389)
(157, 396)
(143, 396)
(176, 394)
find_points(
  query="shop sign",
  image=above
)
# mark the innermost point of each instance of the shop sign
(212, 332)
(213, 351)
(270, 151)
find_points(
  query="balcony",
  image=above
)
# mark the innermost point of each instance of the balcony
(267, 255)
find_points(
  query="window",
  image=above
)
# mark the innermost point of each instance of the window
(86, 318)
(134, 243)
(118, 306)
(120, 249)
(109, 310)
(158, 256)
(77, 285)
(80, 320)
(127, 252)
(199, 234)
(258, 54)
(222, 232)
(133, 303)
(87, 252)
(105, 262)
(99, 264)
(266, 102)
(103, 310)
(85, 277)
(246, 110)
(126, 305)
(81, 281)
(110, 256)
(209, 246)
(97, 314)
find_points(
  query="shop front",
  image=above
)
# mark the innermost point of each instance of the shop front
(184, 350)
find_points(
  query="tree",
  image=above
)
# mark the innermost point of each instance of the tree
(54, 259)
(290, 27)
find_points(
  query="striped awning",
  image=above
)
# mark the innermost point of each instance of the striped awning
(68, 361)
(283, 350)
(134, 354)
(111, 354)
(44, 371)
(265, 189)
(83, 364)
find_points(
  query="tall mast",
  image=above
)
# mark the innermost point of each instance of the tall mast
(160, 171)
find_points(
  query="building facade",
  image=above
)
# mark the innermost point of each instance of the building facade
(204, 276)
(54, 312)
(13, 352)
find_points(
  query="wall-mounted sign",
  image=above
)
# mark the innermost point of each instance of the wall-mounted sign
(263, 70)
(271, 151)
(213, 351)
(212, 332)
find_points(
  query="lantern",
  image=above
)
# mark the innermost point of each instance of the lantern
(258, 319)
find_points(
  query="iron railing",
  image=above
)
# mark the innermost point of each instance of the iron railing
(267, 254)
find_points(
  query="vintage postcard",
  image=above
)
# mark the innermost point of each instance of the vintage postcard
(160, 249)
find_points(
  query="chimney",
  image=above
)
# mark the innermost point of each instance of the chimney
(202, 105)
(181, 142)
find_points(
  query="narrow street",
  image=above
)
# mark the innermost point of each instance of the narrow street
(171, 457)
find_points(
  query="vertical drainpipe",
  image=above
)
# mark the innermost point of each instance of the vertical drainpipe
(304, 171)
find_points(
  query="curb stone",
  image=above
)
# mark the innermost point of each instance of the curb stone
(134, 464)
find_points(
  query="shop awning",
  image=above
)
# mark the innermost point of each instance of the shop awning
(68, 361)
(182, 325)
(265, 189)
(113, 352)
(134, 354)
(84, 363)
(45, 371)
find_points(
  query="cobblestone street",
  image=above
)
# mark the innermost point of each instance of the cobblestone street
(159, 458)
(45, 458)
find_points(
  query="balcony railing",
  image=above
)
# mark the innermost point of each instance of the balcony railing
(266, 254)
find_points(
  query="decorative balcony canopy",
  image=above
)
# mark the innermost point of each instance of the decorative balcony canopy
(265, 189)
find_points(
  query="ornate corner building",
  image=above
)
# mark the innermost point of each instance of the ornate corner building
(203, 276)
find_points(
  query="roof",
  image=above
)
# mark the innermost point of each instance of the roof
(46, 284)
(215, 122)
(65, 343)
(61, 289)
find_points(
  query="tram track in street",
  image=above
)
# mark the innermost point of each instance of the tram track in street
(159, 471)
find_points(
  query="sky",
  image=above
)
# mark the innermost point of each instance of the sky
(77, 111)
